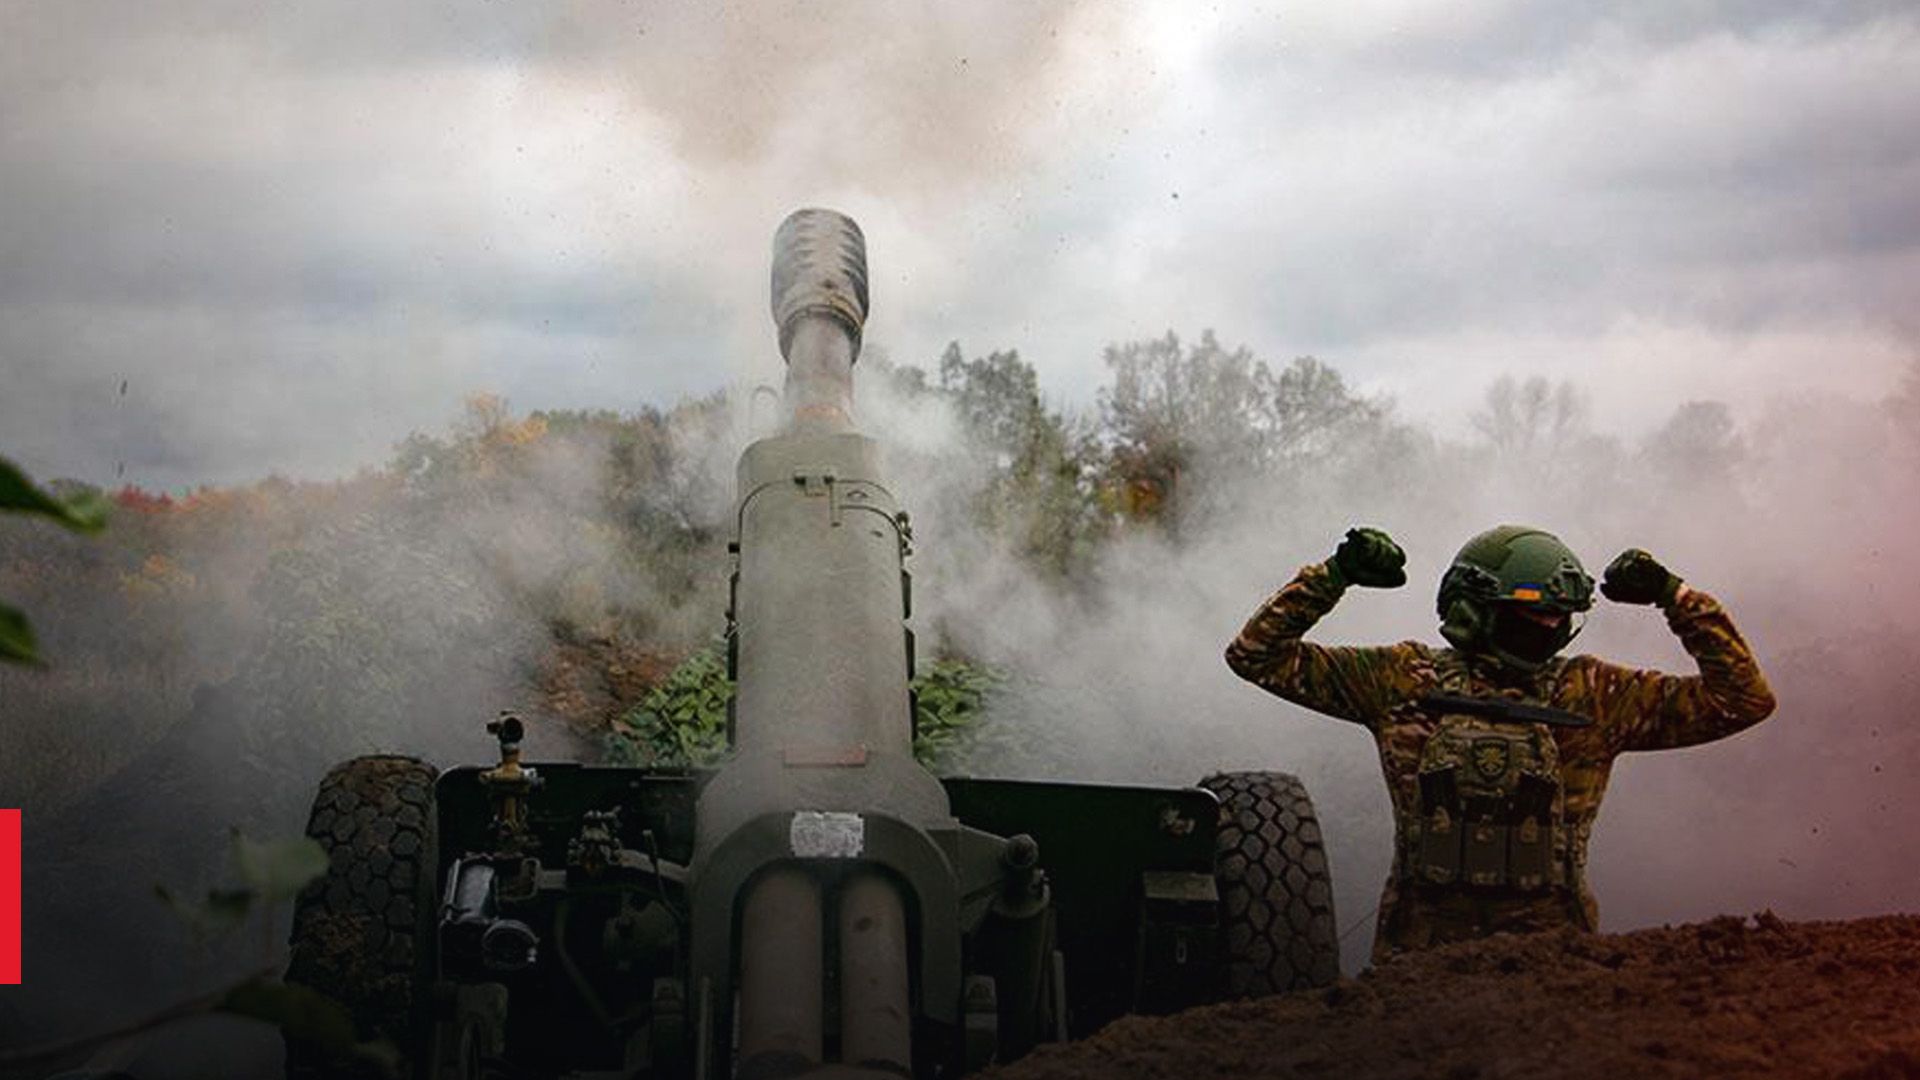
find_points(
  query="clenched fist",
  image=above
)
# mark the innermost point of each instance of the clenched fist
(1369, 557)
(1636, 577)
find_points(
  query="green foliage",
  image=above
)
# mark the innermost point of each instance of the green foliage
(680, 723)
(683, 722)
(86, 512)
(17, 644)
(276, 870)
(951, 698)
(310, 1017)
(270, 871)
(221, 912)
(1176, 413)
(997, 397)
(1042, 465)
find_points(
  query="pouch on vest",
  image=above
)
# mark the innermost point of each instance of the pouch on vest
(1490, 804)
(1438, 860)
(1530, 840)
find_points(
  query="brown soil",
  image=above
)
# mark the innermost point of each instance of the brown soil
(1725, 998)
(586, 683)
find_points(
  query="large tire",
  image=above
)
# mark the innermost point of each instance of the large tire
(362, 933)
(1276, 899)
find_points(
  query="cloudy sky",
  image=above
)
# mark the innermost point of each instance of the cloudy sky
(298, 232)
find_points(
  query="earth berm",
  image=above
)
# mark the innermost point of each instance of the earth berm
(1731, 997)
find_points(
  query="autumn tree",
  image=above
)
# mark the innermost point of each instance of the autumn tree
(1315, 415)
(1171, 406)
(1179, 423)
(1041, 462)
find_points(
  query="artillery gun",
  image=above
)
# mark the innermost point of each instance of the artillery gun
(819, 904)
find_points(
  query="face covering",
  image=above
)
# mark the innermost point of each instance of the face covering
(1526, 638)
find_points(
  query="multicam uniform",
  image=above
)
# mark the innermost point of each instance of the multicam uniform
(1447, 883)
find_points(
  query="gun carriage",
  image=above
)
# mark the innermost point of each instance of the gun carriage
(818, 904)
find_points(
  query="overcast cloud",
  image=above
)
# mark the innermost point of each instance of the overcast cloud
(298, 232)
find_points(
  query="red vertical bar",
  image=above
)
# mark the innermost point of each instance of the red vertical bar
(10, 897)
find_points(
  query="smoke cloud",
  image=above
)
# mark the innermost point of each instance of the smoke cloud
(346, 223)
(1797, 522)
(244, 240)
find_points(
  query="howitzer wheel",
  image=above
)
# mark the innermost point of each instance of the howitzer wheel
(1276, 898)
(362, 932)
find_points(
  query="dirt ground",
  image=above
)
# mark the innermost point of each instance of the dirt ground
(1758, 997)
(585, 682)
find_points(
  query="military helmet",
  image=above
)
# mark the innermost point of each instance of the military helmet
(1512, 592)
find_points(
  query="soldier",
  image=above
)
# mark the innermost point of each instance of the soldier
(1496, 751)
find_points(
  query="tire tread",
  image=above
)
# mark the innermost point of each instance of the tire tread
(361, 931)
(1276, 895)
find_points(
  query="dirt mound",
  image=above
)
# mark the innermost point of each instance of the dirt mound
(1725, 998)
(585, 682)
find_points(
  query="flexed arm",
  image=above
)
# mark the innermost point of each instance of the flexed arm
(1349, 682)
(1649, 710)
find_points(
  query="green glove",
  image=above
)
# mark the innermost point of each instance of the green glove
(1369, 557)
(1638, 578)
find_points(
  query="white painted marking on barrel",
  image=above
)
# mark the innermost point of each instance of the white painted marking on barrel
(826, 834)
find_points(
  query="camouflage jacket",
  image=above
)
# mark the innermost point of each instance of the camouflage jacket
(1382, 687)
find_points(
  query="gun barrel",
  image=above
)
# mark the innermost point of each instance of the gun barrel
(819, 607)
(822, 774)
(820, 306)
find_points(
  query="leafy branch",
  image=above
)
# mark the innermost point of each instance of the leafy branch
(270, 873)
(86, 513)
